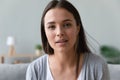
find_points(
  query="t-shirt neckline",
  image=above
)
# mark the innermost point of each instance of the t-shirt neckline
(49, 73)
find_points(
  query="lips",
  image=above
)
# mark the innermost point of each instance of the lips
(62, 41)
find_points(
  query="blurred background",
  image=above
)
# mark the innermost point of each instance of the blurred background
(21, 20)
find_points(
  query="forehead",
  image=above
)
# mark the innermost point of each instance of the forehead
(58, 14)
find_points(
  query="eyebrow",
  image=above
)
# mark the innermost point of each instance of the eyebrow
(67, 20)
(52, 22)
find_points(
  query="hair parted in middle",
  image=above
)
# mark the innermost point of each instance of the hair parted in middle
(81, 44)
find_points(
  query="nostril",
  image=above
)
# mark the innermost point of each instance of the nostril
(60, 34)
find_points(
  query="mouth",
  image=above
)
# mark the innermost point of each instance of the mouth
(62, 41)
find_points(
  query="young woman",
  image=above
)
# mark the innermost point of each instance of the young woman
(67, 54)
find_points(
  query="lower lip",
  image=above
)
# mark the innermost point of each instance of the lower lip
(61, 43)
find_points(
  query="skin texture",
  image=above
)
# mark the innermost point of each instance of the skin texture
(62, 31)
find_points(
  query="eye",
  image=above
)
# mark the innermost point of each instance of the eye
(52, 27)
(67, 25)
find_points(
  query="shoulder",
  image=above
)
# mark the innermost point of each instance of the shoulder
(39, 61)
(38, 65)
(97, 65)
(95, 59)
(95, 62)
(36, 69)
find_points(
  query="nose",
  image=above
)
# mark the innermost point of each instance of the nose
(60, 32)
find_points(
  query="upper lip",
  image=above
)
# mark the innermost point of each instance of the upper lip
(61, 40)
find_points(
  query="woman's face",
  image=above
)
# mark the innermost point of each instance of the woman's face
(61, 29)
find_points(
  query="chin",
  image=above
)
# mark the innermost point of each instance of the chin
(61, 50)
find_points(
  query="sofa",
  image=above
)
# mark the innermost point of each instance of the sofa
(114, 70)
(18, 71)
(13, 71)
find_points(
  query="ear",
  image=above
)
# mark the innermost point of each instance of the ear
(78, 29)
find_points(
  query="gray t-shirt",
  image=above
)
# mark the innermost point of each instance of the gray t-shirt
(94, 68)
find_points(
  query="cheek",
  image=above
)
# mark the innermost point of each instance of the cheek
(73, 35)
(50, 37)
(73, 32)
(48, 34)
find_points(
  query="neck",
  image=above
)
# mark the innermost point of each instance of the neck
(61, 63)
(64, 59)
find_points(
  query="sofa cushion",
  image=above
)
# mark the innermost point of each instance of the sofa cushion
(13, 71)
(114, 70)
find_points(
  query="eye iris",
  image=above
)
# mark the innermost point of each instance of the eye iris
(67, 25)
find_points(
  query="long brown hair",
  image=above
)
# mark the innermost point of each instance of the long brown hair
(81, 44)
